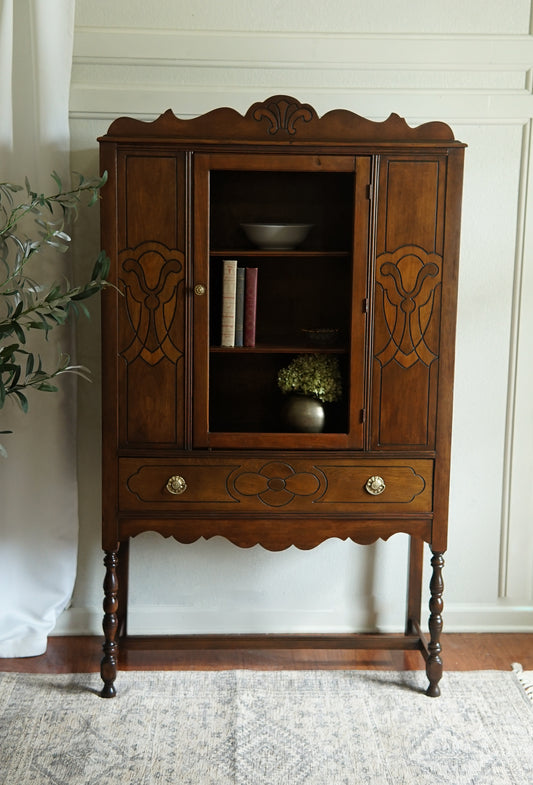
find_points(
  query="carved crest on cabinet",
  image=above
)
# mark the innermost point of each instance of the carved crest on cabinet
(277, 483)
(283, 113)
(152, 276)
(409, 278)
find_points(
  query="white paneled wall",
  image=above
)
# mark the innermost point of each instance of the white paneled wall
(468, 64)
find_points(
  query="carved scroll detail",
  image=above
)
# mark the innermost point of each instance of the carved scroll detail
(152, 276)
(283, 113)
(276, 484)
(409, 278)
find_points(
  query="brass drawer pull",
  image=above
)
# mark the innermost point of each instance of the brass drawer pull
(375, 485)
(199, 290)
(176, 485)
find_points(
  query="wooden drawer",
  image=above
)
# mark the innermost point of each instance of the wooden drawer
(216, 485)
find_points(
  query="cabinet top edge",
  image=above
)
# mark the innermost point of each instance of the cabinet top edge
(281, 119)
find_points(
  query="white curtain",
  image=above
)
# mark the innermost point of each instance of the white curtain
(38, 490)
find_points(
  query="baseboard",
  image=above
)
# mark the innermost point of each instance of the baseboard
(485, 617)
(168, 620)
(79, 621)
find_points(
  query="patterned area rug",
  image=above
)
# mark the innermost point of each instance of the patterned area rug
(267, 728)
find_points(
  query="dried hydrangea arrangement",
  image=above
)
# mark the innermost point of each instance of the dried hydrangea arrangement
(316, 375)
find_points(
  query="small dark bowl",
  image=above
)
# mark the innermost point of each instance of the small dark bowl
(276, 237)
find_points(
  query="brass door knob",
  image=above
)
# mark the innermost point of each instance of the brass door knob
(199, 290)
(375, 485)
(176, 485)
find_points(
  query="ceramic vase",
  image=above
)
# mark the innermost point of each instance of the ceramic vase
(303, 414)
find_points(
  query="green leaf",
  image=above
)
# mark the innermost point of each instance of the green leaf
(58, 317)
(37, 326)
(57, 180)
(15, 377)
(101, 267)
(60, 247)
(52, 294)
(19, 332)
(86, 293)
(79, 306)
(6, 330)
(23, 401)
(6, 351)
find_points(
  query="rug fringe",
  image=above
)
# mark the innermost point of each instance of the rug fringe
(525, 678)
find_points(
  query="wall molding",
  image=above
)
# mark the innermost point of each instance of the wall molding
(167, 620)
(302, 64)
(509, 447)
(248, 50)
(148, 101)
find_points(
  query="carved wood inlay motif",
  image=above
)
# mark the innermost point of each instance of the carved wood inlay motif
(409, 278)
(276, 484)
(152, 276)
(283, 113)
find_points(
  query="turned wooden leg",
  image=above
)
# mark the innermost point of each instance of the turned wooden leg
(434, 662)
(108, 667)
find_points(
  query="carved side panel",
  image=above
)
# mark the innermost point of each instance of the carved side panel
(407, 303)
(152, 273)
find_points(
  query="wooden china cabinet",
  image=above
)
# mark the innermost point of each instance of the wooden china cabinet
(193, 441)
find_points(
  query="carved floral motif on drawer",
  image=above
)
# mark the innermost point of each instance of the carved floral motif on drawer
(294, 485)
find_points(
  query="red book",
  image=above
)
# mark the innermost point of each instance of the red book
(239, 307)
(250, 306)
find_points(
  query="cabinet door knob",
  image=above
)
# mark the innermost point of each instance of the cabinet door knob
(176, 485)
(199, 290)
(375, 485)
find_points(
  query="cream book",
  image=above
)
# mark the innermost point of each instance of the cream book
(229, 296)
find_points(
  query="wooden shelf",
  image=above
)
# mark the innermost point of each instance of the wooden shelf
(259, 252)
(278, 349)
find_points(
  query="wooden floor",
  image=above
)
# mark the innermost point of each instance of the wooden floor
(462, 652)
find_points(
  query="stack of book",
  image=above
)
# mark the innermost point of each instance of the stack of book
(239, 304)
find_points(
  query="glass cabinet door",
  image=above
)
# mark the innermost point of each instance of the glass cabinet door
(280, 275)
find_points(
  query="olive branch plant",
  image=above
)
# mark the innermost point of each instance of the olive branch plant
(27, 305)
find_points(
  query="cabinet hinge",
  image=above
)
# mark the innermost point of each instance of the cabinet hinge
(366, 305)
(363, 416)
(369, 192)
